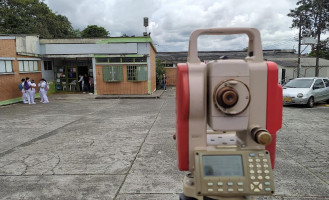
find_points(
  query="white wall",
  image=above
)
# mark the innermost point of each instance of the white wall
(291, 72)
(27, 44)
(47, 74)
(60, 49)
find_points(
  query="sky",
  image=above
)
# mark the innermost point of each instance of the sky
(171, 22)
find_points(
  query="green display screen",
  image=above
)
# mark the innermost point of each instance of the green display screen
(223, 165)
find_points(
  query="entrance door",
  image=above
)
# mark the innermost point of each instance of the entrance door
(82, 71)
(283, 77)
(67, 79)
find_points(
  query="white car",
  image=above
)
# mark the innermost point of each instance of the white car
(306, 91)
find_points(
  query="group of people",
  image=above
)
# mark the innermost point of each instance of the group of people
(27, 88)
(86, 83)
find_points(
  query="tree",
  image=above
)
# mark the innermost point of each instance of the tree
(160, 70)
(312, 18)
(94, 31)
(77, 33)
(33, 17)
(324, 49)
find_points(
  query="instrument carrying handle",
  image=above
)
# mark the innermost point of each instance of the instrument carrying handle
(255, 51)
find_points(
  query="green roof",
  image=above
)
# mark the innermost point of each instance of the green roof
(125, 40)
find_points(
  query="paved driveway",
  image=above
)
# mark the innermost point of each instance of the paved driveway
(78, 147)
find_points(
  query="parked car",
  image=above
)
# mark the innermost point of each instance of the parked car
(306, 91)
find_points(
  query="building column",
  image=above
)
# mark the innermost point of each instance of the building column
(93, 61)
(148, 75)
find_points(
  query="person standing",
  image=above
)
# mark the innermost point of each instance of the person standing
(164, 81)
(85, 83)
(32, 93)
(91, 84)
(80, 81)
(27, 89)
(43, 91)
(23, 91)
(39, 86)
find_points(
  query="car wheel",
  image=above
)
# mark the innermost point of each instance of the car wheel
(310, 102)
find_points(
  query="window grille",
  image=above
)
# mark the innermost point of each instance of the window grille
(131, 73)
(137, 73)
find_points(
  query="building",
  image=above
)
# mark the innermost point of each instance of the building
(288, 67)
(17, 60)
(124, 65)
(286, 60)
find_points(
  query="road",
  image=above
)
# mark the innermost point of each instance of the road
(79, 147)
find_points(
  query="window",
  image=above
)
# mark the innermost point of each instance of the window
(115, 60)
(112, 73)
(102, 60)
(137, 73)
(318, 84)
(140, 59)
(121, 59)
(131, 73)
(5, 66)
(326, 81)
(128, 59)
(168, 65)
(299, 83)
(28, 65)
(47, 65)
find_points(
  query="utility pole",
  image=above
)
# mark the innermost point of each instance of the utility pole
(318, 32)
(299, 44)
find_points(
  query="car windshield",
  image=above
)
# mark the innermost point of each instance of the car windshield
(299, 83)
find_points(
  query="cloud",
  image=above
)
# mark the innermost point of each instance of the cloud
(171, 22)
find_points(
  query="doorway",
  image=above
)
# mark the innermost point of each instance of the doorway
(283, 77)
(68, 71)
(66, 78)
(82, 71)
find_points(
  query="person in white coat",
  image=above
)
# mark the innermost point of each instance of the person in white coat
(81, 82)
(39, 86)
(43, 90)
(32, 92)
(23, 92)
(27, 89)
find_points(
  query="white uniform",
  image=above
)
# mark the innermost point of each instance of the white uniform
(30, 95)
(24, 94)
(82, 82)
(41, 97)
(32, 92)
(27, 92)
(43, 92)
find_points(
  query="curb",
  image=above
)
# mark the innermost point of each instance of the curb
(151, 96)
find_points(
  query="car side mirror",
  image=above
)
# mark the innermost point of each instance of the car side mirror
(315, 87)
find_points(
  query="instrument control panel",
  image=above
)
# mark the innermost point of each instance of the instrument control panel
(234, 173)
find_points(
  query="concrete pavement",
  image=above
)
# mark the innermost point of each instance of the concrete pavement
(79, 147)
